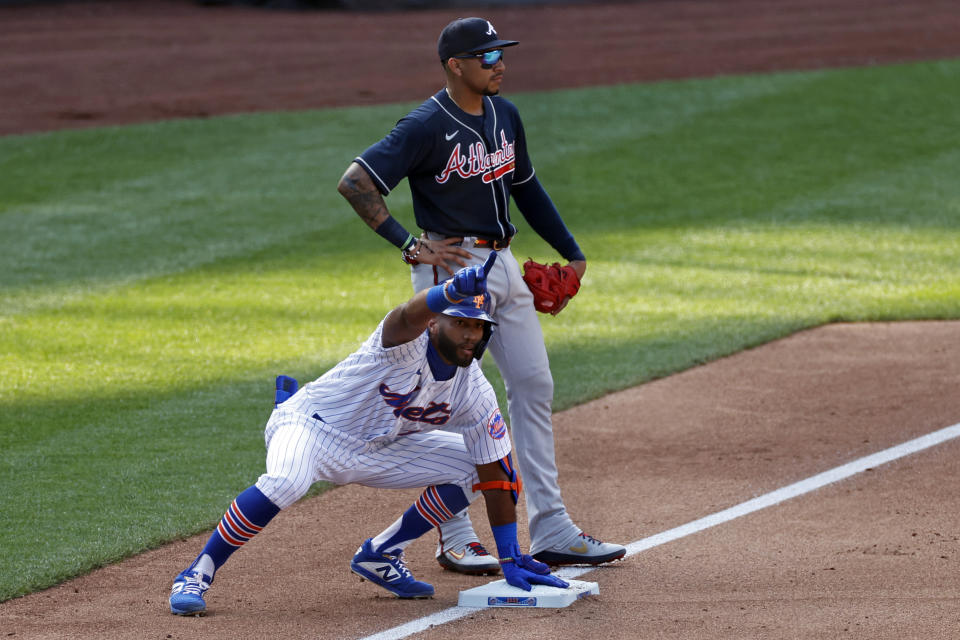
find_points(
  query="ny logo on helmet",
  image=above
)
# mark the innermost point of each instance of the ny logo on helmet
(479, 301)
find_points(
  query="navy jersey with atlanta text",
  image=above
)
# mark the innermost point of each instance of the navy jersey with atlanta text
(460, 166)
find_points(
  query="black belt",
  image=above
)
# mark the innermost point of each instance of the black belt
(493, 243)
(496, 244)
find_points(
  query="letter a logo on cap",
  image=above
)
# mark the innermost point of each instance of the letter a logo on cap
(490, 30)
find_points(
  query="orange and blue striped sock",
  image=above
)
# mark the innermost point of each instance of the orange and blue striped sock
(436, 504)
(247, 515)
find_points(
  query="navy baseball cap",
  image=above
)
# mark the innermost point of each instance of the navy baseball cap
(469, 35)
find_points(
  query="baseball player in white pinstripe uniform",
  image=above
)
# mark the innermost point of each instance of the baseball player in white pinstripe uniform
(410, 408)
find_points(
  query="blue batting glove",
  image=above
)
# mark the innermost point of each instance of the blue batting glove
(488, 264)
(523, 572)
(286, 387)
(520, 570)
(471, 281)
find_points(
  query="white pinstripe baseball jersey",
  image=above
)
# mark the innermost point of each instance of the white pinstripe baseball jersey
(381, 394)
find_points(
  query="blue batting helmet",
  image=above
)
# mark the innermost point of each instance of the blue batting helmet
(475, 307)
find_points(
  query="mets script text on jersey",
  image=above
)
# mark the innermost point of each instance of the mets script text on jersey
(434, 413)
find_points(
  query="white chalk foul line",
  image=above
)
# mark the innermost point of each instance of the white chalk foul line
(744, 508)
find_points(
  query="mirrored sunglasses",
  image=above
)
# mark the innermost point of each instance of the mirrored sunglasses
(487, 58)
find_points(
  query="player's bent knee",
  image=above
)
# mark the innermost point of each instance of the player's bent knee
(445, 500)
(283, 491)
(465, 484)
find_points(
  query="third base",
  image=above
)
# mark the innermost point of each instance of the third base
(501, 594)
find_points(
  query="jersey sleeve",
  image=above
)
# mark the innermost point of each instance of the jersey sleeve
(391, 159)
(411, 352)
(538, 209)
(523, 171)
(485, 431)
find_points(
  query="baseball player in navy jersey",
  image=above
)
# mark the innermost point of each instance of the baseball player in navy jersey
(410, 408)
(464, 154)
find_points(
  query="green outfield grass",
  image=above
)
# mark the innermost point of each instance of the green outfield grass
(156, 278)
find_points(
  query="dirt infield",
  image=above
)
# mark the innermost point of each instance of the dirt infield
(93, 63)
(875, 556)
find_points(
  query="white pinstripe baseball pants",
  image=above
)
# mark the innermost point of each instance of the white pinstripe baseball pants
(302, 450)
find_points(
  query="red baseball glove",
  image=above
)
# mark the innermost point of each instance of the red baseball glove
(550, 284)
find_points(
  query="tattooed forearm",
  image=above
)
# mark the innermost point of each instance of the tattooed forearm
(359, 190)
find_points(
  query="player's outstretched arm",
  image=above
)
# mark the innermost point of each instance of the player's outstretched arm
(408, 320)
(519, 570)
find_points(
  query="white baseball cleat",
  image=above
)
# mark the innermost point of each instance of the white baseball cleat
(584, 550)
(471, 559)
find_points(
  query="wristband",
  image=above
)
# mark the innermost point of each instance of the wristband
(438, 298)
(393, 232)
(505, 536)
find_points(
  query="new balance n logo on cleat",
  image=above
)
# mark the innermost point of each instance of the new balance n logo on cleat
(385, 571)
(388, 570)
